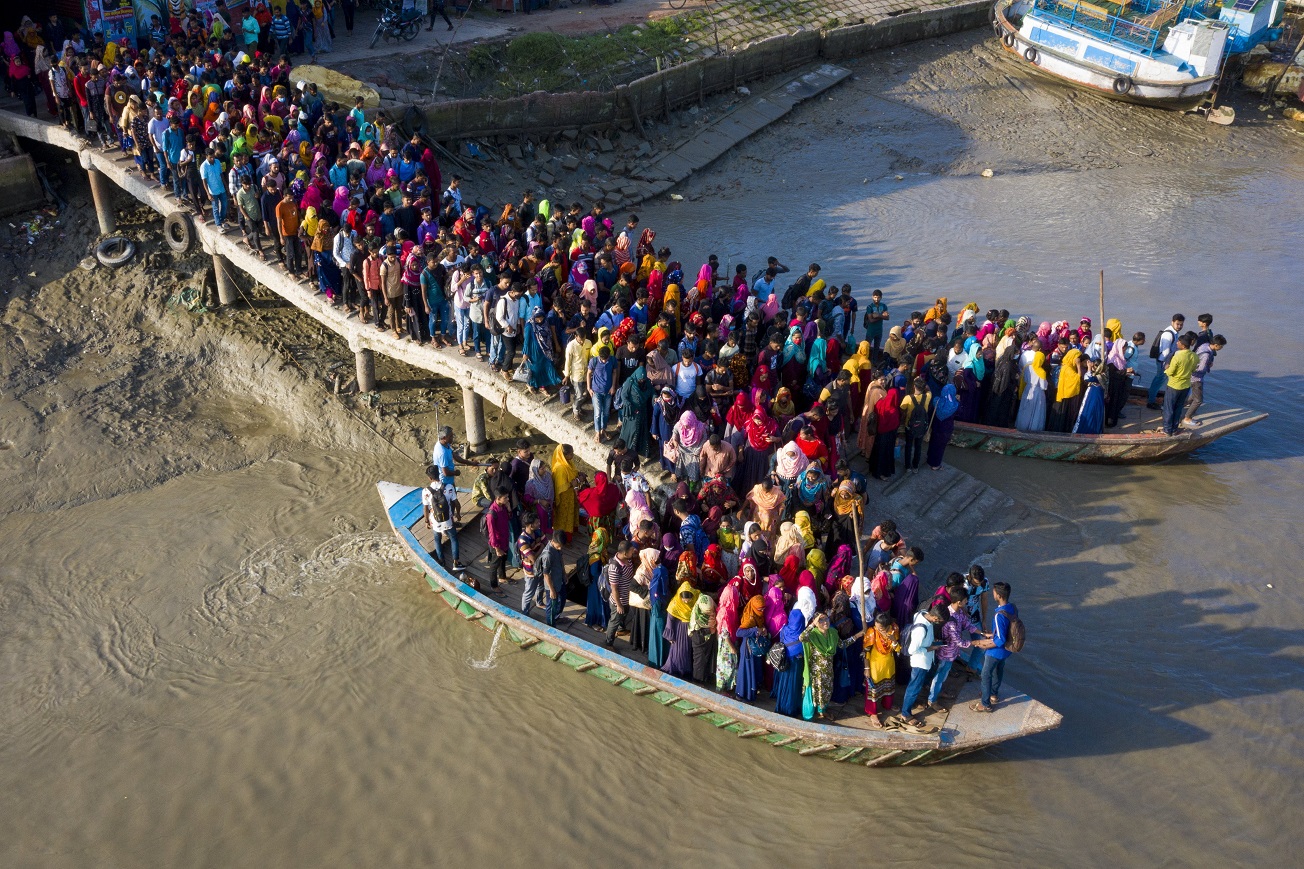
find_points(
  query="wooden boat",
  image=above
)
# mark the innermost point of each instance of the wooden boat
(574, 645)
(1132, 443)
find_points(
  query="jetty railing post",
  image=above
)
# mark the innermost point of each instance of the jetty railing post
(365, 362)
(102, 194)
(473, 405)
(222, 270)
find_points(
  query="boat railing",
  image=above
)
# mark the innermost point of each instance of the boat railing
(1096, 21)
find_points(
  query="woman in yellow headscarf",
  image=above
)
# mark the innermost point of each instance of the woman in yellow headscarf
(855, 364)
(818, 564)
(816, 290)
(565, 505)
(936, 312)
(803, 523)
(1063, 413)
(679, 660)
(603, 340)
(1032, 403)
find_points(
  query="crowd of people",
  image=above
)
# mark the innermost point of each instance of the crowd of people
(749, 389)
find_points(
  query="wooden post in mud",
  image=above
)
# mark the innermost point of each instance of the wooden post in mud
(473, 405)
(222, 274)
(365, 362)
(102, 194)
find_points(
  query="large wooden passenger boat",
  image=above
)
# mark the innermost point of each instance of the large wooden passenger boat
(848, 739)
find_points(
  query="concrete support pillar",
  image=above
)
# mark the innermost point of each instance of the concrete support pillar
(102, 193)
(473, 404)
(366, 363)
(223, 272)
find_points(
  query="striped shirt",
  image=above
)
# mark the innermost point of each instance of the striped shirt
(620, 574)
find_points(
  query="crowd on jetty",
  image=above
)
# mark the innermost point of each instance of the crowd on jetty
(751, 389)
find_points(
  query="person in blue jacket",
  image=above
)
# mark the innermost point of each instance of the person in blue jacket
(996, 651)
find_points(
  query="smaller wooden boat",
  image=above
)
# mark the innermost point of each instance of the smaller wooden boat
(1132, 443)
(849, 739)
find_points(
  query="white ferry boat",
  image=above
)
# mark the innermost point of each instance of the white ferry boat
(1166, 53)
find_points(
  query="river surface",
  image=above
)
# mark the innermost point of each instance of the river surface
(236, 666)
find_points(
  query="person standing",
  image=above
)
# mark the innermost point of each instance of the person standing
(920, 646)
(620, 575)
(1161, 351)
(439, 502)
(601, 386)
(499, 526)
(995, 646)
(551, 568)
(1205, 353)
(210, 173)
(1179, 370)
(287, 222)
(250, 209)
(876, 315)
(437, 7)
(957, 634)
(578, 351)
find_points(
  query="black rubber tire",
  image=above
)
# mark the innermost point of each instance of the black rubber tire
(1000, 31)
(410, 30)
(179, 232)
(1009, 40)
(115, 251)
(119, 95)
(1030, 54)
(1123, 85)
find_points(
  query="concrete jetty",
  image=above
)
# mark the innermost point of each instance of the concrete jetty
(108, 169)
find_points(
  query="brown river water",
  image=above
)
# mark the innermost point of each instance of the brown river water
(233, 665)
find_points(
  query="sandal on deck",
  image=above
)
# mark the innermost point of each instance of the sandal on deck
(977, 706)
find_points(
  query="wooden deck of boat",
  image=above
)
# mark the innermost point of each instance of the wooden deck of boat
(1016, 715)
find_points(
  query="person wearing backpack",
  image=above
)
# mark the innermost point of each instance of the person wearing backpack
(916, 417)
(1005, 639)
(1161, 350)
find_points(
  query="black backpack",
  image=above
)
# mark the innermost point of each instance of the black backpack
(1154, 345)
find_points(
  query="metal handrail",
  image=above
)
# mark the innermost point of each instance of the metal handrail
(1115, 29)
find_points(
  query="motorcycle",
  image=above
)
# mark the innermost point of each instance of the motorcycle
(398, 23)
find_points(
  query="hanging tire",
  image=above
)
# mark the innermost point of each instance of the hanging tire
(1000, 31)
(1008, 39)
(120, 94)
(179, 232)
(1030, 54)
(1123, 85)
(115, 251)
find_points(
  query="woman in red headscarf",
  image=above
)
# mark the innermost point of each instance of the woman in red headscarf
(736, 419)
(762, 438)
(713, 572)
(888, 414)
(600, 501)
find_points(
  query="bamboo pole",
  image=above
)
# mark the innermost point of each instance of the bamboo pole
(860, 566)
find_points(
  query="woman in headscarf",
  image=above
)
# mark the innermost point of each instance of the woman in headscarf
(820, 644)
(789, 464)
(565, 515)
(887, 414)
(1091, 415)
(712, 573)
(735, 420)
(726, 626)
(789, 681)
(944, 408)
(600, 502)
(1062, 414)
(597, 607)
(895, 346)
(999, 408)
(635, 412)
(702, 640)
(679, 661)
(867, 434)
(764, 386)
(658, 598)
(761, 436)
(644, 247)
(1032, 404)
(753, 642)
(792, 365)
(537, 495)
(936, 312)
(882, 642)
(790, 540)
(817, 564)
(1117, 358)
(848, 665)
(541, 352)
(783, 408)
(765, 503)
(791, 571)
(688, 437)
(811, 493)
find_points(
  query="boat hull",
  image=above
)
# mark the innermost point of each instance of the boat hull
(1127, 448)
(1048, 61)
(868, 748)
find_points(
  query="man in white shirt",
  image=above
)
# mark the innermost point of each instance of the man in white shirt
(919, 643)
